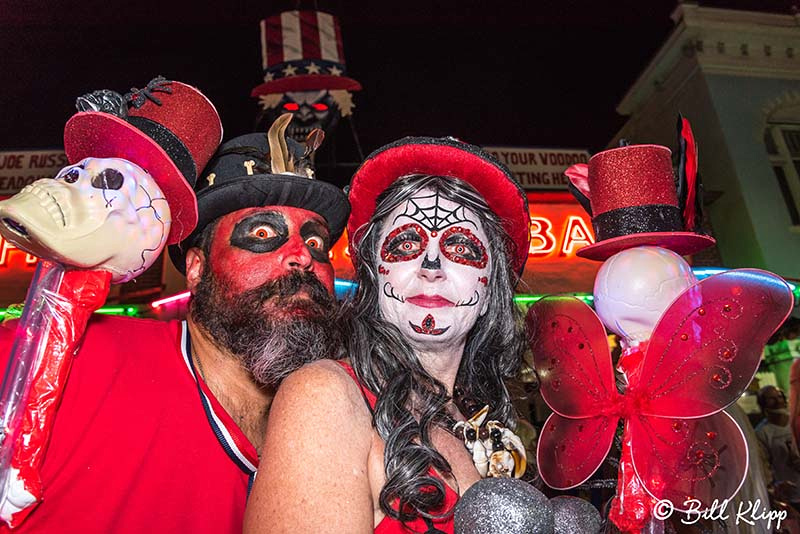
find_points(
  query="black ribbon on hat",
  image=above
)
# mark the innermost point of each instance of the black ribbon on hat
(637, 220)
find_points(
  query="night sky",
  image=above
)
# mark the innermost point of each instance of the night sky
(537, 73)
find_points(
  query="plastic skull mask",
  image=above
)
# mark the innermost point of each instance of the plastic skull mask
(634, 287)
(98, 214)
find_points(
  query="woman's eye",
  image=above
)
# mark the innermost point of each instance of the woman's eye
(264, 232)
(460, 249)
(404, 243)
(409, 246)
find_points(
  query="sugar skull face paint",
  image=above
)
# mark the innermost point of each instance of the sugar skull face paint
(257, 245)
(433, 257)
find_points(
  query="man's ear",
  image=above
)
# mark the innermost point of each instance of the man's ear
(195, 264)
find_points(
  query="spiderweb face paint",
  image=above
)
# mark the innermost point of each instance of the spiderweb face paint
(433, 260)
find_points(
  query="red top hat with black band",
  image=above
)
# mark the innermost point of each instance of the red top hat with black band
(633, 202)
(444, 156)
(302, 51)
(170, 129)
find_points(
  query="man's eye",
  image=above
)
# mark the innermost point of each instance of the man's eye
(291, 106)
(263, 232)
(315, 242)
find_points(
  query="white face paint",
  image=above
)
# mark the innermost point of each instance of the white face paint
(433, 270)
(633, 289)
(98, 214)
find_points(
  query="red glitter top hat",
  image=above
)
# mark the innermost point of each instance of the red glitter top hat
(170, 129)
(302, 51)
(633, 202)
(444, 156)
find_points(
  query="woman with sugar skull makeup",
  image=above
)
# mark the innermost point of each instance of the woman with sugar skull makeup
(439, 233)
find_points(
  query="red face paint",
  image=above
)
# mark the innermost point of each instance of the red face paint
(257, 245)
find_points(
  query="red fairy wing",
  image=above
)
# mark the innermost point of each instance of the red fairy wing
(571, 356)
(681, 459)
(707, 345)
(569, 451)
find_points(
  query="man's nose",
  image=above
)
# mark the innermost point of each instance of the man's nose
(431, 270)
(297, 255)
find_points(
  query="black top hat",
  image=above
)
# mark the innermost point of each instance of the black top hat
(240, 176)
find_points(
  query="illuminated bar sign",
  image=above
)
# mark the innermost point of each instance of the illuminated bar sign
(16, 272)
(22, 167)
(559, 228)
(539, 168)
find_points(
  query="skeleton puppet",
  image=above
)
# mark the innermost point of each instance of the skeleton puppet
(104, 219)
(689, 349)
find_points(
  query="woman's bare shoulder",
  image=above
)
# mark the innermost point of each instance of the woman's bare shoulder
(322, 386)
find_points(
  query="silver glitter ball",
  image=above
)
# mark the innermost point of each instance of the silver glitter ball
(503, 505)
(575, 516)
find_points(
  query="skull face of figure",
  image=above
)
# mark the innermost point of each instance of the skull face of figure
(634, 288)
(98, 214)
(311, 109)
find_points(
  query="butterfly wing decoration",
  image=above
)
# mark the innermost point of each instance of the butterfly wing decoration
(701, 357)
(571, 356)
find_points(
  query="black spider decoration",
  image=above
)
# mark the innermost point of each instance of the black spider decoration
(138, 97)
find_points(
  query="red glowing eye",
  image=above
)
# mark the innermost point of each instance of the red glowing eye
(291, 106)
(319, 106)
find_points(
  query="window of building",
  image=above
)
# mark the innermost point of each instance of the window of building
(782, 142)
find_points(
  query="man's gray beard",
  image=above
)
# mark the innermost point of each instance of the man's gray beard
(288, 344)
(271, 330)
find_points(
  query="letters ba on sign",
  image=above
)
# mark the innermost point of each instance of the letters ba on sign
(539, 168)
(19, 168)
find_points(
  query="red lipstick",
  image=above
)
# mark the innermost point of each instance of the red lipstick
(430, 301)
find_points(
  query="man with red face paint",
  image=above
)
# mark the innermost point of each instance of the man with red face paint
(161, 423)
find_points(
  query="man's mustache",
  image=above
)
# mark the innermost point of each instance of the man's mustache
(289, 285)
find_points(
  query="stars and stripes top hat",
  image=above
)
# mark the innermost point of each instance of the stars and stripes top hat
(302, 51)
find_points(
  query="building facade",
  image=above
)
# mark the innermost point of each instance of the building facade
(736, 76)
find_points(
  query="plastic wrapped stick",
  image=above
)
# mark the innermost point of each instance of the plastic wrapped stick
(57, 308)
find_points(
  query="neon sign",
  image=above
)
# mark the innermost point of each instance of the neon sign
(5, 251)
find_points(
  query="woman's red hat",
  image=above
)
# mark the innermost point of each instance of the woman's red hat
(170, 129)
(444, 156)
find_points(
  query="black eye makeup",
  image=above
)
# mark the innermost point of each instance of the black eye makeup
(460, 245)
(261, 232)
(404, 243)
(317, 240)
